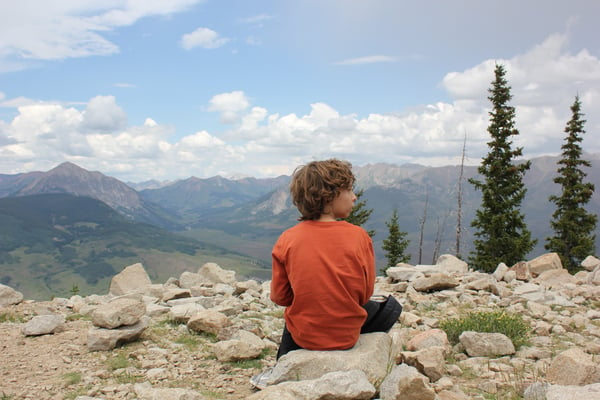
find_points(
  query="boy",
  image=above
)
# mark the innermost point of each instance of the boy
(324, 268)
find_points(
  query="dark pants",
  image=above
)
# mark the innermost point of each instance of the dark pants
(373, 323)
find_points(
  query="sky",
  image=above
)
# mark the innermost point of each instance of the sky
(166, 90)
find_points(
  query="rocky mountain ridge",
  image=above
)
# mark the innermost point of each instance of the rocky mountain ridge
(202, 335)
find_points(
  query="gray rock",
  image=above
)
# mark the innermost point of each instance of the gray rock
(573, 367)
(215, 274)
(119, 312)
(451, 264)
(478, 344)
(405, 382)
(208, 321)
(43, 325)
(371, 354)
(9, 296)
(590, 263)
(243, 346)
(543, 263)
(100, 339)
(339, 385)
(436, 281)
(133, 279)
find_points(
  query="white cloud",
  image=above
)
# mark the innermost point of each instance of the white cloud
(261, 142)
(229, 105)
(203, 37)
(55, 30)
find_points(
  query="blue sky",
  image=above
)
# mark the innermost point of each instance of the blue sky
(163, 90)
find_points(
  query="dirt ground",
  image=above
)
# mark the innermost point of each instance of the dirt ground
(60, 367)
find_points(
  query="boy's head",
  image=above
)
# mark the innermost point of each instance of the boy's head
(316, 184)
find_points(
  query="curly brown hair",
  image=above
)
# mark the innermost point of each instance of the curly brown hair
(317, 183)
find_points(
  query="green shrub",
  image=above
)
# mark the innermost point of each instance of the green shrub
(497, 321)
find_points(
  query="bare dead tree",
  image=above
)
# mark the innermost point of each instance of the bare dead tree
(441, 226)
(422, 225)
(459, 198)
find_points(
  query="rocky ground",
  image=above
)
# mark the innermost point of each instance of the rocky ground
(189, 344)
(59, 366)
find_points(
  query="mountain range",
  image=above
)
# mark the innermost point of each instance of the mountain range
(241, 218)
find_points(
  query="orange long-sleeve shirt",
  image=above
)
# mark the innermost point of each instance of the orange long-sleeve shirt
(323, 272)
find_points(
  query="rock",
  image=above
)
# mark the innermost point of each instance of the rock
(555, 278)
(588, 392)
(403, 273)
(543, 263)
(183, 312)
(100, 339)
(590, 263)
(451, 264)
(43, 325)
(215, 274)
(429, 361)
(175, 293)
(500, 271)
(371, 354)
(339, 385)
(429, 338)
(145, 391)
(437, 281)
(118, 312)
(208, 321)
(594, 277)
(478, 344)
(573, 367)
(405, 382)
(9, 296)
(521, 270)
(133, 279)
(243, 346)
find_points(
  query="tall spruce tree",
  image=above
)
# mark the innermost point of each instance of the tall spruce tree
(573, 226)
(502, 235)
(360, 214)
(395, 244)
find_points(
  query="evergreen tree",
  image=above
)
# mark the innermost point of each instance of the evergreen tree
(395, 244)
(573, 226)
(360, 214)
(502, 235)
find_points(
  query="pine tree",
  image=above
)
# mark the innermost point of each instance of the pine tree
(395, 244)
(573, 226)
(360, 215)
(502, 235)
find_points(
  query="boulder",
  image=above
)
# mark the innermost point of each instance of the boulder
(9, 296)
(133, 279)
(209, 321)
(243, 346)
(478, 344)
(573, 367)
(338, 385)
(43, 325)
(214, 273)
(371, 354)
(101, 339)
(544, 263)
(119, 312)
(436, 281)
(405, 382)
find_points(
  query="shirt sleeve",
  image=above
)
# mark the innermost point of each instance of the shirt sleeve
(281, 289)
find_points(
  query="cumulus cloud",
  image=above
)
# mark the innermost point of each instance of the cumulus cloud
(203, 37)
(52, 30)
(229, 105)
(261, 142)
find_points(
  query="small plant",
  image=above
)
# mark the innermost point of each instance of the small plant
(4, 396)
(498, 321)
(72, 378)
(188, 340)
(10, 317)
(119, 361)
(74, 290)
